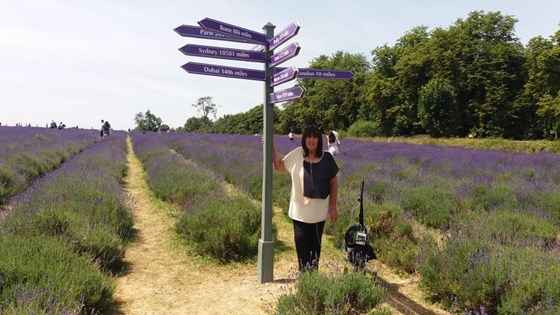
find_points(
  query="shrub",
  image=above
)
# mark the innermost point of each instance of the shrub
(492, 196)
(215, 223)
(390, 233)
(363, 128)
(499, 266)
(174, 179)
(317, 293)
(82, 203)
(431, 206)
(28, 153)
(224, 228)
(41, 275)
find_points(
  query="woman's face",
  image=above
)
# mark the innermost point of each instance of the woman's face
(311, 143)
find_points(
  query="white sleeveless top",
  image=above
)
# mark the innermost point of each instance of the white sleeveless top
(307, 210)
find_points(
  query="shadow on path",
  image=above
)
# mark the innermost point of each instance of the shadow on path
(400, 301)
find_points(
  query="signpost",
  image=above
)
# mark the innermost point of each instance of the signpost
(271, 76)
(290, 31)
(222, 71)
(325, 74)
(283, 76)
(233, 31)
(285, 54)
(286, 95)
(199, 32)
(222, 53)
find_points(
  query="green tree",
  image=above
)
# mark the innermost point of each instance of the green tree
(329, 103)
(480, 57)
(147, 121)
(392, 89)
(164, 128)
(549, 113)
(437, 109)
(543, 84)
(200, 124)
(205, 106)
(490, 73)
(250, 122)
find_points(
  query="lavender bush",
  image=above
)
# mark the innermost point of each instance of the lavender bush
(215, 223)
(42, 275)
(319, 293)
(27, 153)
(80, 208)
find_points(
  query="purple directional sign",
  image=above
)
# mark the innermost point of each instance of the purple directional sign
(222, 71)
(286, 95)
(323, 74)
(199, 32)
(284, 76)
(222, 53)
(233, 31)
(285, 54)
(290, 31)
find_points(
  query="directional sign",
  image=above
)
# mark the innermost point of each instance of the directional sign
(233, 31)
(199, 32)
(258, 48)
(222, 71)
(284, 76)
(287, 33)
(324, 74)
(223, 53)
(286, 95)
(285, 54)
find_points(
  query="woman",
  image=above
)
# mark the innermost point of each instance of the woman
(313, 196)
(333, 142)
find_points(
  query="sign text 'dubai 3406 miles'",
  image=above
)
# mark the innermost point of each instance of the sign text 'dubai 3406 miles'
(223, 71)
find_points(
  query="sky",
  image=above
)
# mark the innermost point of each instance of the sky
(78, 62)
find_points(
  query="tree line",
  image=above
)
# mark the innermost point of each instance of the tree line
(474, 78)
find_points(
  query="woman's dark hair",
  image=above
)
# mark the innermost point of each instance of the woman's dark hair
(332, 137)
(312, 130)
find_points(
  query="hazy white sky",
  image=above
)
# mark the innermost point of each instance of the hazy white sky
(82, 61)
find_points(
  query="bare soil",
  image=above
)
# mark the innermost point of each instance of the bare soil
(162, 277)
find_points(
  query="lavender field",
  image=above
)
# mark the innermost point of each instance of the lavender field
(214, 222)
(480, 226)
(66, 233)
(27, 153)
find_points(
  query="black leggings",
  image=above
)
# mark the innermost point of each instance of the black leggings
(308, 243)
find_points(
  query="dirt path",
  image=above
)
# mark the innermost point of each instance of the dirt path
(162, 278)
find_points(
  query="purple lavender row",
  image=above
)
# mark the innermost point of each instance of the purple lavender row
(27, 153)
(80, 213)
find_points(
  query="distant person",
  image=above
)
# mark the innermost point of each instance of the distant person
(53, 125)
(313, 195)
(106, 128)
(291, 135)
(333, 142)
(61, 126)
